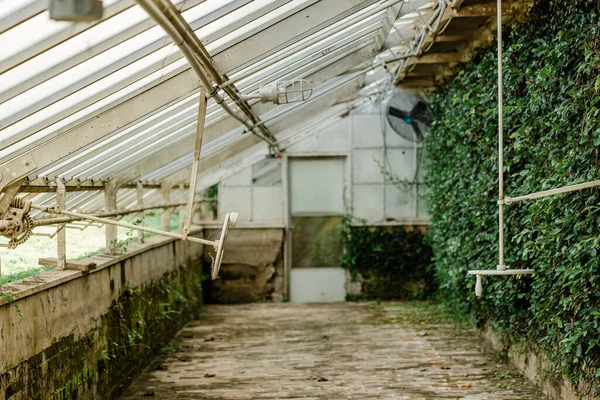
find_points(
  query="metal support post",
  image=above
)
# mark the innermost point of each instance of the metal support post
(501, 266)
(61, 237)
(165, 216)
(197, 147)
(140, 202)
(181, 209)
(110, 205)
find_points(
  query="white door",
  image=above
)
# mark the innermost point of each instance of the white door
(316, 208)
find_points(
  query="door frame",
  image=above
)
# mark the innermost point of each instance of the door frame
(287, 213)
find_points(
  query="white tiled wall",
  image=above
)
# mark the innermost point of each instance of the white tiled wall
(372, 196)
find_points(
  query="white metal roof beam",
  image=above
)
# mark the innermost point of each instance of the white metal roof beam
(120, 37)
(284, 33)
(22, 13)
(67, 32)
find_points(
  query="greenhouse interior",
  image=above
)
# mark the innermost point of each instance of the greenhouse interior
(300, 199)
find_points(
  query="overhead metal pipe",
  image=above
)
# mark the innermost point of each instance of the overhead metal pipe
(175, 26)
(185, 30)
(178, 39)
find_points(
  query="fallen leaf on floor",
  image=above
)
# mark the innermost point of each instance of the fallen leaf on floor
(210, 339)
(209, 375)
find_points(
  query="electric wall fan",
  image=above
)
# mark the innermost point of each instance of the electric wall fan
(409, 116)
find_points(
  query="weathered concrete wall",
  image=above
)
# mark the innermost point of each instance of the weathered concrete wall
(252, 268)
(533, 364)
(72, 334)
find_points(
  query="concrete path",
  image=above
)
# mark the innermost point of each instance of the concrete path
(328, 351)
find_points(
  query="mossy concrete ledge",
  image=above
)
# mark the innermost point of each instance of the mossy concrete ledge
(531, 361)
(86, 335)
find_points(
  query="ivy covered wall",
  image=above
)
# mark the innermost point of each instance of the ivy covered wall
(552, 138)
(390, 262)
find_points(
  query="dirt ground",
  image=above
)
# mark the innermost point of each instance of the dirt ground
(329, 351)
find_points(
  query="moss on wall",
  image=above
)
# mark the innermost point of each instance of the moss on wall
(101, 364)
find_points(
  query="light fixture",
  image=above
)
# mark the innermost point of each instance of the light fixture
(283, 92)
(75, 10)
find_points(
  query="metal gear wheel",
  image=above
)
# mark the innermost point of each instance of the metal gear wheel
(22, 232)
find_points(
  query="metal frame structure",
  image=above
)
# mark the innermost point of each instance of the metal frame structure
(102, 114)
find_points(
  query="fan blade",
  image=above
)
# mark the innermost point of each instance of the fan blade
(421, 112)
(397, 113)
(418, 133)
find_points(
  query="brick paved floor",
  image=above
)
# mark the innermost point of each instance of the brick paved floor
(328, 351)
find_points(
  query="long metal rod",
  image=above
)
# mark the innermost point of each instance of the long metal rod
(186, 31)
(551, 192)
(196, 163)
(57, 210)
(189, 49)
(492, 272)
(501, 266)
(62, 220)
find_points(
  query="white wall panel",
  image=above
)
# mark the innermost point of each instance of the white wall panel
(236, 199)
(335, 137)
(402, 162)
(366, 166)
(399, 203)
(367, 202)
(366, 131)
(267, 204)
(317, 285)
(308, 145)
(242, 178)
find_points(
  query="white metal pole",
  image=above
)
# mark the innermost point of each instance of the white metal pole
(196, 162)
(140, 202)
(110, 204)
(61, 238)
(165, 216)
(182, 208)
(501, 266)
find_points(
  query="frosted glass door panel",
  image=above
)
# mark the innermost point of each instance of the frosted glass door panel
(317, 186)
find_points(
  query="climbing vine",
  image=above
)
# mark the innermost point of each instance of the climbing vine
(392, 261)
(552, 139)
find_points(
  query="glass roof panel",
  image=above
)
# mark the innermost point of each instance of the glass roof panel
(126, 54)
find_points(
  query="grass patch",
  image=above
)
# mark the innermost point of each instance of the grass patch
(23, 274)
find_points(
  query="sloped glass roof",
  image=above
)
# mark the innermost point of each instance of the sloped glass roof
(69, 90)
